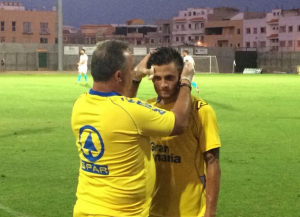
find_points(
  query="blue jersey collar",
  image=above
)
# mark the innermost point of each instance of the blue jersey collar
(93, 92)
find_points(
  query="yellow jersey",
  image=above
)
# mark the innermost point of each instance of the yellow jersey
(180, 167)
(117, 169)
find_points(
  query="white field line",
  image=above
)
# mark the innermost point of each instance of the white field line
(12, 212)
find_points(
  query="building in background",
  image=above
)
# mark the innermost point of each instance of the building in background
(18, 25)
(14, 6)
(164, 32)
(279, 30)
(188, 26)
(134, 34)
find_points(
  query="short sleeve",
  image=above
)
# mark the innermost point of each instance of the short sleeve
(150, 120)
(208, 128)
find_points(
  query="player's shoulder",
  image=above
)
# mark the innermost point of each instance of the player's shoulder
(152, 101)
(199, 104)
(80, 99)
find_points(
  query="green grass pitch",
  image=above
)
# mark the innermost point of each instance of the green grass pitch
(259, 122)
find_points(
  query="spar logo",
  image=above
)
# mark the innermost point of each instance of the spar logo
(88, 147)
(92, 148)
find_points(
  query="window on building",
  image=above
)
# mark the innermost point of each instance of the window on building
(185, 14)
(238, 45)
(138, 42)
(298, 43)
(160, 28)
(2, 40)
(197, 38)
(254, 44)
(202, 38)
(56, 40)
(248, 31)
(190, 26)
(282, 29)
(182, 39)
(182, 27)
(177, 26)
(274, 13)
(254, 30)
(44, 28)
(13, 26)
(190, 38)
(262, 30)
(238, 31)
(194, 13)
(44, 40)
(290, 43)
(13, 40)
(152, 41)
(177, 38)
(27, 28)
(290, 28)
(278, 13)
(202, 12)
(190, 14)
(2, 25)
(262, 44)
(299, 28)
(202, 25)
(87, 40)
(247, 44)
(282, 43)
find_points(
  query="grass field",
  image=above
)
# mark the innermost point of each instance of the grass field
(259, 122)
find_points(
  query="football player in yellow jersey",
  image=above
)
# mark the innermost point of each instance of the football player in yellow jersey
(187, 165)
(112, 132)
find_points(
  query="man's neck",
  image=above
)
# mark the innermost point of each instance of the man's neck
(106, 87)
(168, 100)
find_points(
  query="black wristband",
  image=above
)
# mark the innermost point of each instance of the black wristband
(185, 85)
(136, 82)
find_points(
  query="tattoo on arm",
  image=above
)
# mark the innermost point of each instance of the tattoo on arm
(211, 156)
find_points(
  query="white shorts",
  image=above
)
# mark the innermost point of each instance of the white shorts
(82, 69)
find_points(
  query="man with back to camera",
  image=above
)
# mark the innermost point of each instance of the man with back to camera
(82, 66)
(188, 58)
(188, 170)
(112, 131)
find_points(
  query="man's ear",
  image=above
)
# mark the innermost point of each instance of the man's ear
(118, 76)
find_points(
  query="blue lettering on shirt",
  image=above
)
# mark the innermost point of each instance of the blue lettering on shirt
(93, 168)
(146, 105)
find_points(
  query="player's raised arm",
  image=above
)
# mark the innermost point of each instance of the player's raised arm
(139, 72)
(182, 106)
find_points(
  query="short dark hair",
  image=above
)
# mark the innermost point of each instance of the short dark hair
(83, 49)
(107, 59)
(186, 51)
(166, 55)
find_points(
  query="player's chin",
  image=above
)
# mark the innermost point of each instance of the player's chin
(164, 95)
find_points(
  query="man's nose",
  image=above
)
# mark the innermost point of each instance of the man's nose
(164, 83)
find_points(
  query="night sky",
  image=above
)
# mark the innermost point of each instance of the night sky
(77, 12)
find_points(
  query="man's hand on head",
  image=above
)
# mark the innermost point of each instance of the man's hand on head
(141, 70)
(188, 72)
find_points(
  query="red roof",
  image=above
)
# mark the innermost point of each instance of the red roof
(197, 19)
(273, 36)
(180, 20)
(273, 21)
